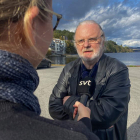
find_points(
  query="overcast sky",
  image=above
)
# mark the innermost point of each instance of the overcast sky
(120, 19)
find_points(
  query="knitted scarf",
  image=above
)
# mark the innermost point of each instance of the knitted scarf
(18, 81)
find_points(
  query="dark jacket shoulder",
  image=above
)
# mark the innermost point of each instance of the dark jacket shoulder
(18, 122)
(112, 64)
(72, 64)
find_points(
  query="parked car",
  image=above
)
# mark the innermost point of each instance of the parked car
(45, 63)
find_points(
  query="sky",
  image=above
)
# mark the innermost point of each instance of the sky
(120, 19)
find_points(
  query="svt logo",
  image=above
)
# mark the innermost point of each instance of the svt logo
(85, 83)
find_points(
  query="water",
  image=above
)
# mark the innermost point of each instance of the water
(127, 58)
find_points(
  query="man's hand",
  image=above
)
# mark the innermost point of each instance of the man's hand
(82, 111)
(65, 99)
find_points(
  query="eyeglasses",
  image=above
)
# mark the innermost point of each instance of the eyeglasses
(59, 16)
(90, 40)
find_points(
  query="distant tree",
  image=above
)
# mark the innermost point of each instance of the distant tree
(112, 47)
(49, 52)
(56, 34)
(59, 34)
(70, 49)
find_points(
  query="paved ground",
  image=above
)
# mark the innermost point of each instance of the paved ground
(49, 77)
(134, 105)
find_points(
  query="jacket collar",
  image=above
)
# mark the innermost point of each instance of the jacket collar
(101, 72)
(75, 68)
(74, 71)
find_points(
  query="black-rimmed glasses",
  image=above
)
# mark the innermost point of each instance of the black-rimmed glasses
(59, 16)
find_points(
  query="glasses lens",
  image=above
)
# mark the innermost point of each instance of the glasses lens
(81, 42)
(54, 20)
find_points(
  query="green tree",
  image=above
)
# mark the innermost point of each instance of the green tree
(49, 52)
(70, 49)
(112, 47)
(59, 34)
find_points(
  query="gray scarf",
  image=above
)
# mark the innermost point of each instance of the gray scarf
(18, 81)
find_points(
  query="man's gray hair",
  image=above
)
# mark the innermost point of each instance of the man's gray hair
(89, 22)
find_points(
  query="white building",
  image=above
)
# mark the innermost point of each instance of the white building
(58, 46)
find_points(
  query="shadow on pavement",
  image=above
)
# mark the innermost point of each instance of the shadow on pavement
(133, 132)
(47, 68)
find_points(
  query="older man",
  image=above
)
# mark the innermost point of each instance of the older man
(109, 102)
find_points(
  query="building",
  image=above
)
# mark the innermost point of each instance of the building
(58, 46)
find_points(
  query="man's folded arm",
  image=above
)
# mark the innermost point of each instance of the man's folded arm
(56, 108)
(112, 103)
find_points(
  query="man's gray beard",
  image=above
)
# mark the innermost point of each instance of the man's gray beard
(94, 58)
(89, 60)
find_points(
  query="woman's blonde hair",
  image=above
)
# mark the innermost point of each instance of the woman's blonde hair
(13, 11)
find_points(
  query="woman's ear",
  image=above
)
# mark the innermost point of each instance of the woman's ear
(29, 17)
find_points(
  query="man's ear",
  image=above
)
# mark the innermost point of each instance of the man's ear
(29, 17)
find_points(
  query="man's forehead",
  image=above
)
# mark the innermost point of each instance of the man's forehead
(87, 30)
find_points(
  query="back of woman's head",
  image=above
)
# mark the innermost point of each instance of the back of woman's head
(12, 12)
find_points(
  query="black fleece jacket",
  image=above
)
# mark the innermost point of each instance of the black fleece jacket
(19, 123)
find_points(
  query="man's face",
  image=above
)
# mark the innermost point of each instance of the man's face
(89, 51)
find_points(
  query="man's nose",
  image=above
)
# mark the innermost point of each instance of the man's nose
(86, 43)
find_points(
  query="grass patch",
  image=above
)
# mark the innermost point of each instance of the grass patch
(133, 66)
